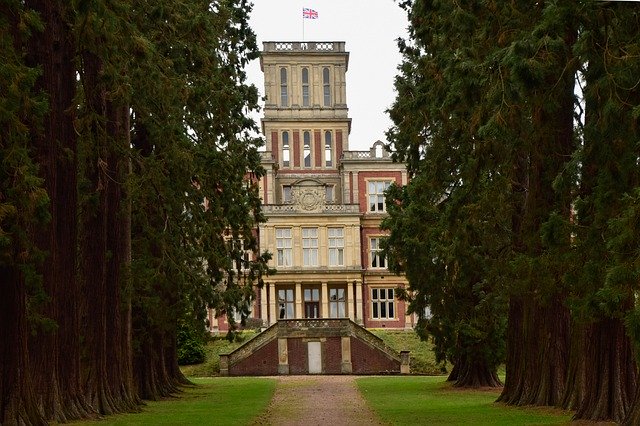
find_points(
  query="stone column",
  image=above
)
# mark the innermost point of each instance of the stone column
(351, 297)
(264, 305)
(283, 356)
(405, 360)
(324, 299)
(299, 311)
(273, 308)
(346, 367)
(359, 306)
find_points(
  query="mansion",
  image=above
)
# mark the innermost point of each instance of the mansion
(323, 202)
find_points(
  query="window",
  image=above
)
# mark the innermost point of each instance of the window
(286, 193)
(337, 303)
(285, 303)
(310, 246)
(305, 87)
(382, 303)
(327, 149)
(377, 258)
(311, 303)
(336, 246)
(283, 246)
(326, 87)
(285, 149)
(328, 192)
(306, 136)
(376, 195)
(284, 95)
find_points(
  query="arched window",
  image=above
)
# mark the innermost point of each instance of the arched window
(285, 149)
(326, 87)
(306, 137)
(328, 161)
(305, 87)
(284, 94)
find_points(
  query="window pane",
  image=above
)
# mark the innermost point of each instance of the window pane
(391, 310)
(375, 311)
(390, 294)
(383, 310)
(374, 294)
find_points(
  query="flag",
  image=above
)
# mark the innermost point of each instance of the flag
(309, 13)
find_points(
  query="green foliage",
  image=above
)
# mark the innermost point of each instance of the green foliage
(214, 348)
(191, 342)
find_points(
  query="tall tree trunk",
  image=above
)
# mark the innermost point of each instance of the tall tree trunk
(474, 373)
(55, 354)
(576, 370)
(17, 401)
(106, 251)
(611, 385)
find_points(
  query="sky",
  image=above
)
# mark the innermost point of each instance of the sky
(370, 29)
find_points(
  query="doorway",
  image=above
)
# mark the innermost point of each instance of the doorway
(315, 357)
(312, 303)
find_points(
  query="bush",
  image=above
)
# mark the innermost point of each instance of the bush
(190, 347)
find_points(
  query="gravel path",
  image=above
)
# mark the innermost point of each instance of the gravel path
(317, 400)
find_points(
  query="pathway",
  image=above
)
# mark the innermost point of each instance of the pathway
(317, 400)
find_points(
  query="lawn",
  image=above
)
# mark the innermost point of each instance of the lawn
(213, 349)
(423, 360)
(214, 401)
(406, 400)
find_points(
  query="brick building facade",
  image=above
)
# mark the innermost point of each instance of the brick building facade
(324, 203)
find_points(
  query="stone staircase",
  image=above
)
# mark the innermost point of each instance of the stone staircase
(314, 346)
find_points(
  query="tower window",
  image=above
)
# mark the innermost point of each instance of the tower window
(285, 149)
(327, 149)
(326, 87)
(307, 148)
(305, 87)
(284, 94)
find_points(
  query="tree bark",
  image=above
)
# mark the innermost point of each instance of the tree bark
(474, 373)
(55, 354)
(611, 385)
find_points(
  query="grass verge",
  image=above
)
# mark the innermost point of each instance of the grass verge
(214, 401)
(423, 360)
(431, 400)
(213, 349)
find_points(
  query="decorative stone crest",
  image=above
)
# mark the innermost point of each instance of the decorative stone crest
(309, 198)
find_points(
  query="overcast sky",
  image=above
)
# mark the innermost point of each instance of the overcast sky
(369, 28)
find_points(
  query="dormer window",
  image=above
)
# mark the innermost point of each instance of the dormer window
(284, 93)
(305, 87)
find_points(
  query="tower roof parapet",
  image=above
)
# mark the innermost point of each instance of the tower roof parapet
(304, 46)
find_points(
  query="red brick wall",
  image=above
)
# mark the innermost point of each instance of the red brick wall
(296, 148)
(338, 145)
(365, 360)
(399, 310)
(263, 362)
(362, 184)
(317, 136)
(332, 355)
(275, 150)
(298, 358)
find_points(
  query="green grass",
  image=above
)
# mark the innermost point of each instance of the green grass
(423, 361)
(431, 400)
(215, 347)
(214, 401)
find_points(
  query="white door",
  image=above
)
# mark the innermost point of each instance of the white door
(315, 358)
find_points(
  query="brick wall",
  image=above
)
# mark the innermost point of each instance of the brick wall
(373, 175)
(365, 360)
(263, 362)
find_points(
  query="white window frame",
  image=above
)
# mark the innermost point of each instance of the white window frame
(375, 195)
(335, 239)
(337, 305)
(286, 149)
(306, 95)
(284, 87)
(383, 303)
(310, 246)
(286, 305)
(307, 151)
(376, 258)
(284, 247)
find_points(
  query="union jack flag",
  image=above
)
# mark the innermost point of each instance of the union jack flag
(309, 13)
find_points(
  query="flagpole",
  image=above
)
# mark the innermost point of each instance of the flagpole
(303, 27)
